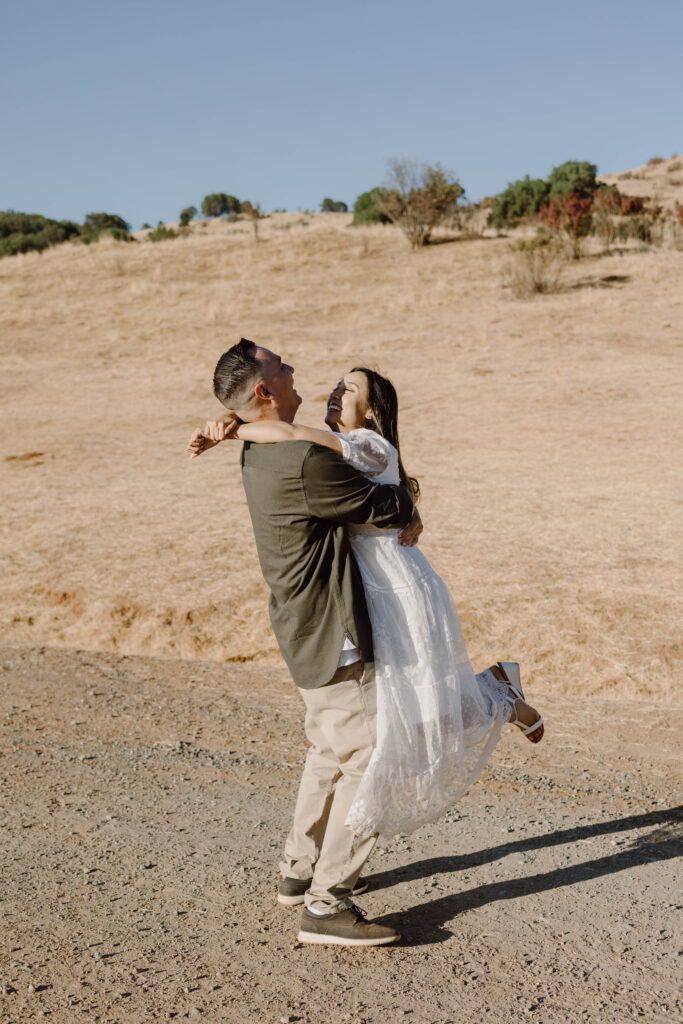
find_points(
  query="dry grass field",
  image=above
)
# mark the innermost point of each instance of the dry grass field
(544, 432)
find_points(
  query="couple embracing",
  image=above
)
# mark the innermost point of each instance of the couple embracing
(399, 725)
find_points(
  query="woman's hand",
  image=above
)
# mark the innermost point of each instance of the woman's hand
(213, 432)
(409, 535)
(198, 444)
(222, 428)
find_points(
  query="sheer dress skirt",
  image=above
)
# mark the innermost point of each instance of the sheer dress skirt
(437, 722)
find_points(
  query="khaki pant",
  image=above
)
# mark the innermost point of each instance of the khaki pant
(340, 726)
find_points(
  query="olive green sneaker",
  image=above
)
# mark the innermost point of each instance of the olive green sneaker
(347, 928)
(291, 891)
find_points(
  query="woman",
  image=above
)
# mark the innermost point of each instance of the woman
(437, 723)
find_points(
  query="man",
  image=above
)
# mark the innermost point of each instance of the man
(300, 495)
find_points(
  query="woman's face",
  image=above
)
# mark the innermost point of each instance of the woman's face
(347, 406)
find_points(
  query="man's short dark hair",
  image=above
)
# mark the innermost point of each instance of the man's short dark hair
(234, 371)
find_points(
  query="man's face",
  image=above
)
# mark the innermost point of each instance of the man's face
(278, 378)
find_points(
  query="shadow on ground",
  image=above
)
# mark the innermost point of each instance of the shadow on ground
(466, 236)
(599, 282)
(425, 923)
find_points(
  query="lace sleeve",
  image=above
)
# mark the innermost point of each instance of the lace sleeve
(366, 451)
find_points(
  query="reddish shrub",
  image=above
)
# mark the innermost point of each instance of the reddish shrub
(572, 215)
(608, 200)
(632, 205)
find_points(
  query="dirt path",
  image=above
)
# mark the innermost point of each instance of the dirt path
(144, 804)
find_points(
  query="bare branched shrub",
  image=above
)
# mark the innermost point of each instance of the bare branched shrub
(669, 234)
(470, 219)
(535, 268)
(606, 208)
(253, 211)
(669, 228)
(418, 199)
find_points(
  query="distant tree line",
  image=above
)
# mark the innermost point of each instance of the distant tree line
(27, 232)
(31, 232)
(525, 197)
(569, 205)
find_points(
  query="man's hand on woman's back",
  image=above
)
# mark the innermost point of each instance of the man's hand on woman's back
(409, 535)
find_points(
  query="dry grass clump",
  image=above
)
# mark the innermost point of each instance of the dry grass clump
(535, 268)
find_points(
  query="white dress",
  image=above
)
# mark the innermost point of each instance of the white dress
(437, 722)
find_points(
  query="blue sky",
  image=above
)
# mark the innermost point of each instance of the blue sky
(142, 107)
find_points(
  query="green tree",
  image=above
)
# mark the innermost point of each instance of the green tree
(12, 223)
(96, 222)
(522, 198)
(219, 203)
(333, 206)
(31, 232)
(418, 199)
(186, 215)
(577, 176)
(366, 210)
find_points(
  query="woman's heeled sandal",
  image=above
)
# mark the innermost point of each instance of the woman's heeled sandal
(510, 670)
(533, 732)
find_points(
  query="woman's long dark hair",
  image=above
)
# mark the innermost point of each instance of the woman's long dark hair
(383, 403)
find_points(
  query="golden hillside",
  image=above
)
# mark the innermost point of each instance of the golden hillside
(662, 180)
(543, 432)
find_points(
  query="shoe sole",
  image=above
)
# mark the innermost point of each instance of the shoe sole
(290, 901)
(336, 940)
(297, 901)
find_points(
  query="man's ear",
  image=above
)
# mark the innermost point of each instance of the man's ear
(262, 392)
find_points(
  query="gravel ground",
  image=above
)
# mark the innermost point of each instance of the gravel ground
(144, 806)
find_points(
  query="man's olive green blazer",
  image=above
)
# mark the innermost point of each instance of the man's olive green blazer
(300, 495)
